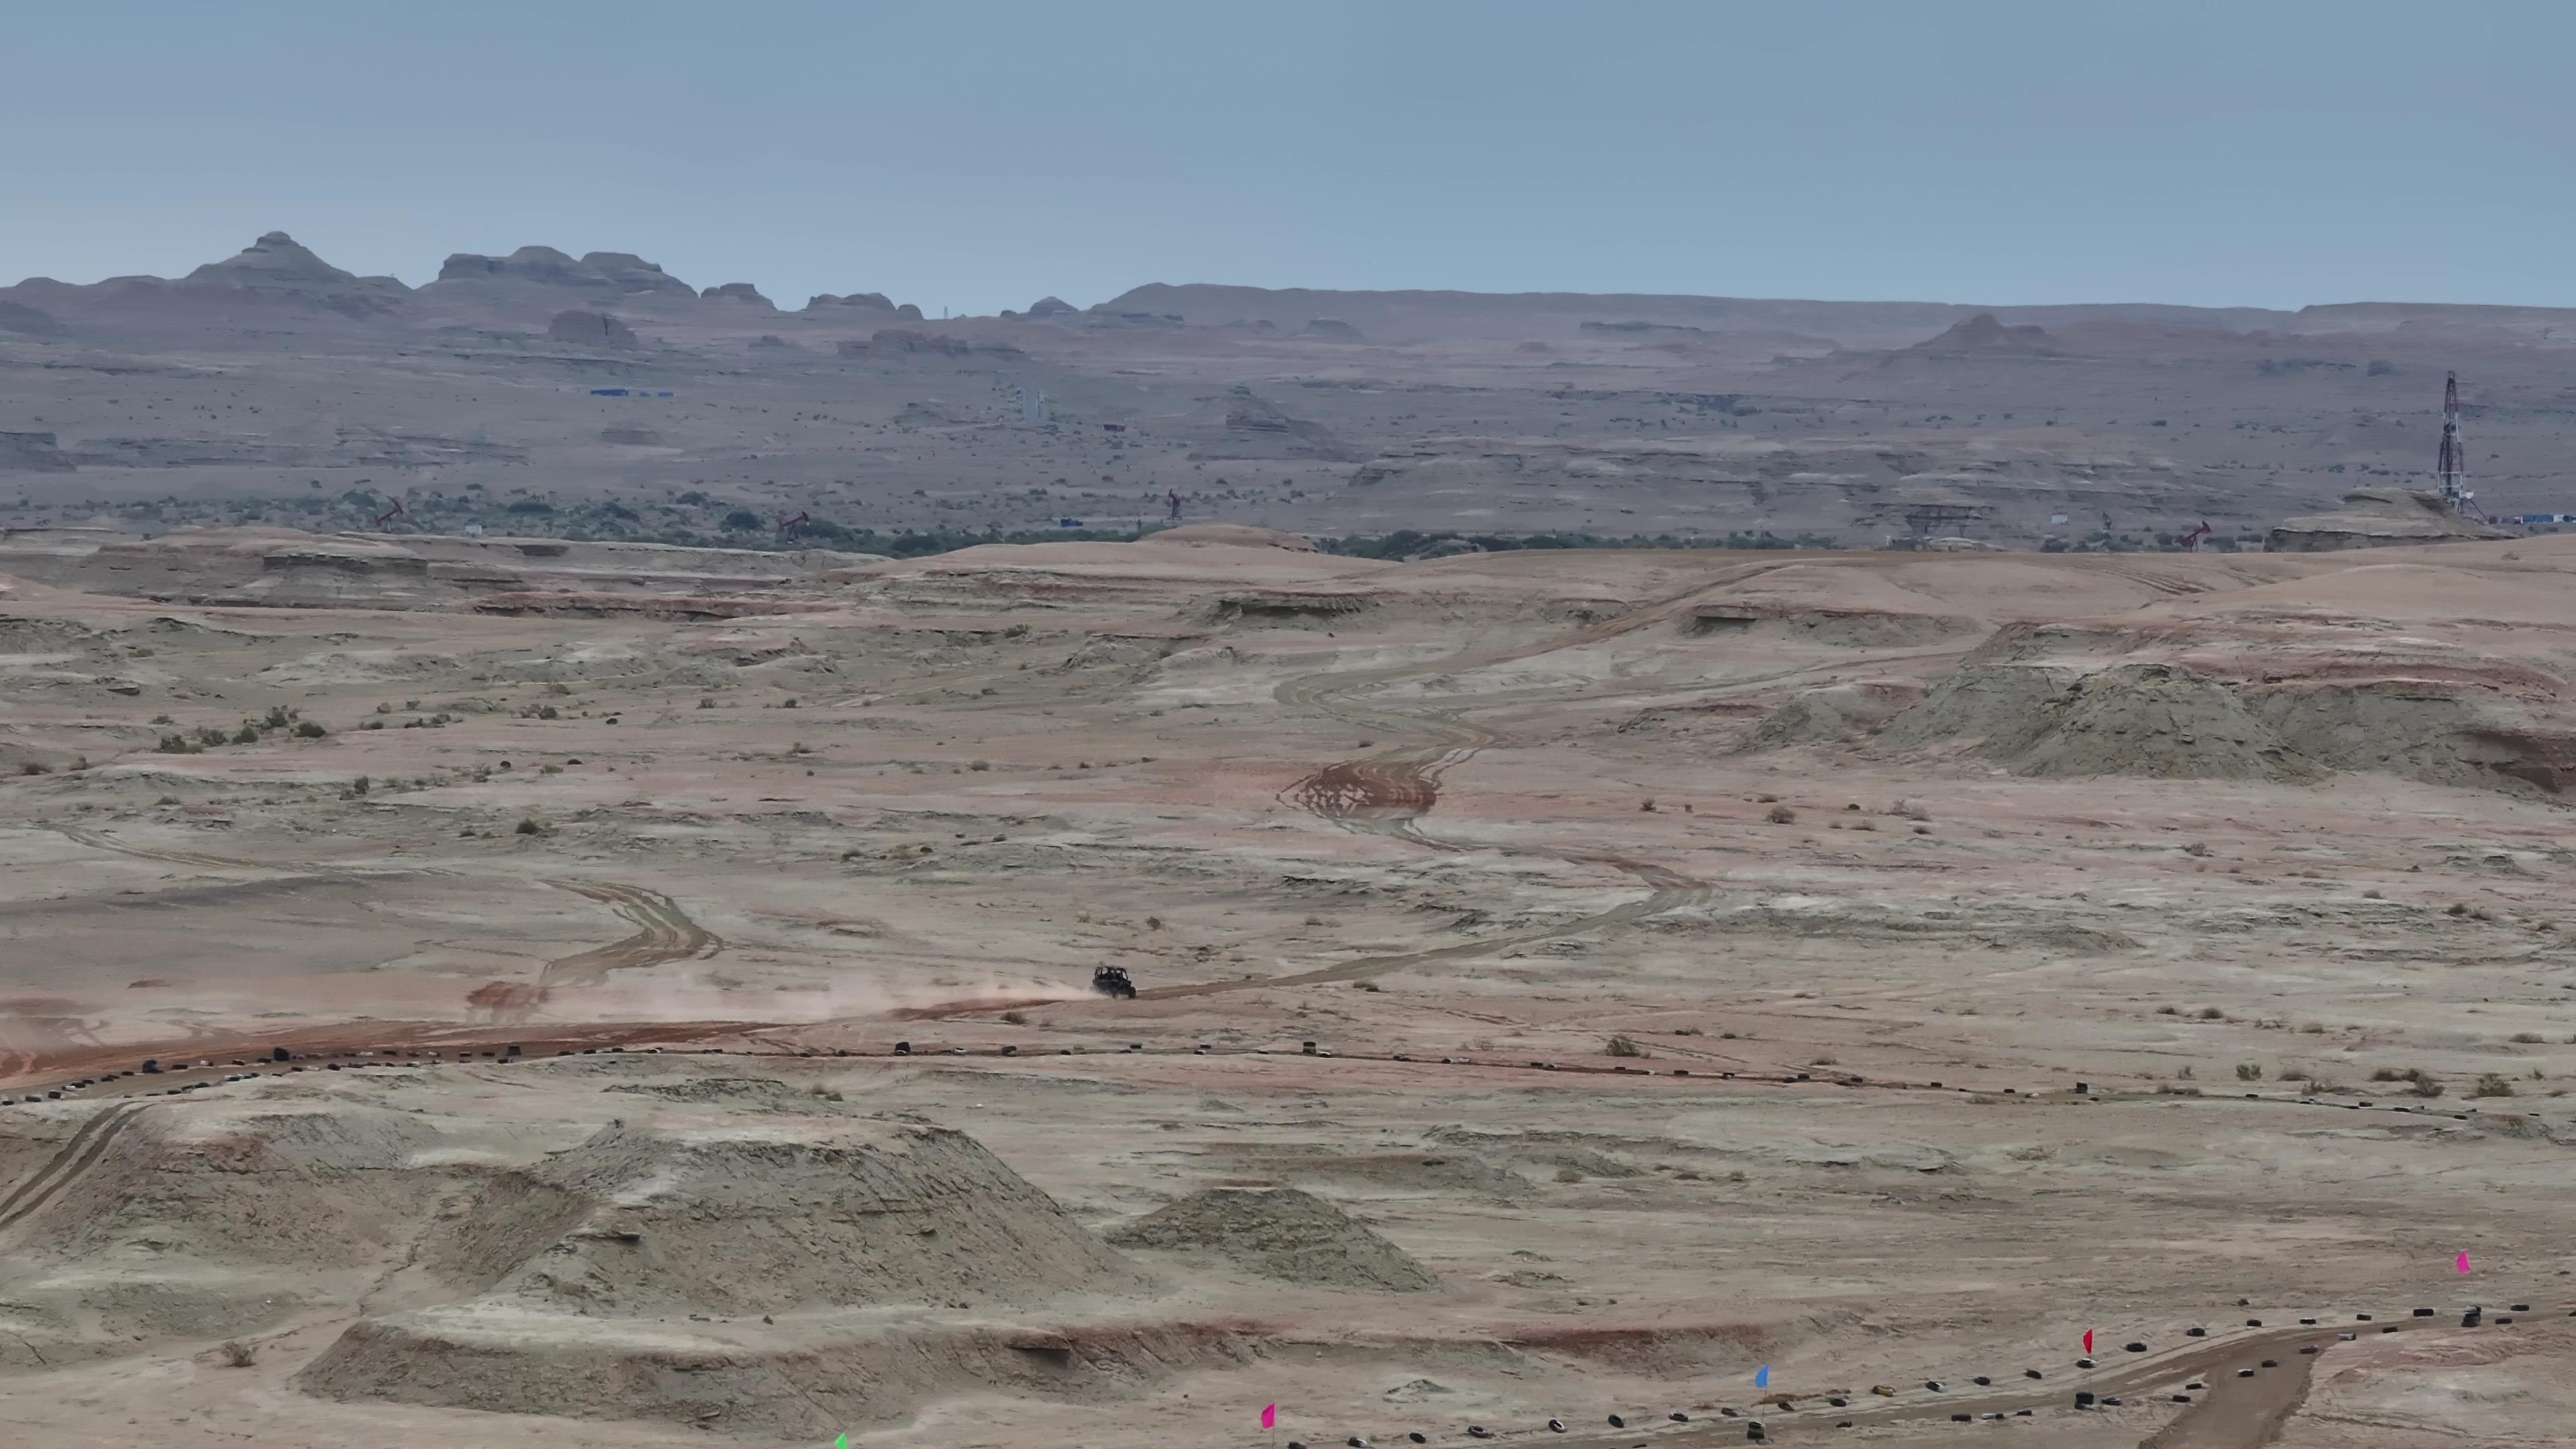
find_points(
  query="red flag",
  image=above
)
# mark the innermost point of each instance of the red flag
(2088, 1340)
(1270, 1416)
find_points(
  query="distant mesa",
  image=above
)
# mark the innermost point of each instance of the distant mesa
(20, 320)
(1325, 329)
(899, 341)
(590, 329)
(1640, 327)
(1050, 307)
(866, 301)
(277, 266)
(2377, 518)
(1983, 336)
(275, 257)
(736, 292)
(32, 453)
(1255, 427)
(609, 272)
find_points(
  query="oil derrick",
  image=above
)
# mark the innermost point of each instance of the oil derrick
(2453, 463)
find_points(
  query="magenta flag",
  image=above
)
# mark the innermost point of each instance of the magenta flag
(1270, 1416)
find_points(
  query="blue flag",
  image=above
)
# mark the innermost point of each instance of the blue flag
(1762, 1377)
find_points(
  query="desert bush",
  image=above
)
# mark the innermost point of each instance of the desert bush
(979, 766)
(2249, 1071)
(2493, 1084)
(238, 1354)
(30, 767)
(309, 730)
(1782, 815)
(1016, 1018)
(2527, 1038)
(1621, 1046)
(531, 825)
(2212, 1013)
(1909, 810)
(279, 717)
(247, 735)
(1648, 806)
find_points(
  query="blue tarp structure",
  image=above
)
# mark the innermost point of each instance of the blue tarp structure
(608, 392)
(1068, 523)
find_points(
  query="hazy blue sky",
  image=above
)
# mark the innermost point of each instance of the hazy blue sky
(978, 155)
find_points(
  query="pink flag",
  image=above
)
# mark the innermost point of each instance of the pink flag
(2088, 1340)
(2464, 1262)
(1270, 1416)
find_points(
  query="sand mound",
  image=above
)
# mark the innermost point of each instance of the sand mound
(743, 1094)
(2159, 722)
(769, 1219)
(825, 1379)
(2003, 705)
(1835, 714)
(1243, 534)
(637, 1275)
(1280, 1233)
(128, 1226)
(2376, 518)
(2162, 722)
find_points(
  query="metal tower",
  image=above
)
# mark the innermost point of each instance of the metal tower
(2453, 463)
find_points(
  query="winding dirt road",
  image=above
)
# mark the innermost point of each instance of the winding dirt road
(664, 933)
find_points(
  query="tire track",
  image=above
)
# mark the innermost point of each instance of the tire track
(663, 933)
(1388, 794)
(101, 840)
(76, 1157)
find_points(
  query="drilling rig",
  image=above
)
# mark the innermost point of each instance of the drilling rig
(2452, 464)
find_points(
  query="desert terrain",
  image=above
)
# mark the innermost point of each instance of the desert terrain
(540, 393)
(610, 992)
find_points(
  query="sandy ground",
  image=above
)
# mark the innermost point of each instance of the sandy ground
(1683, 964)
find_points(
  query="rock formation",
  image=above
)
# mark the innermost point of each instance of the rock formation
(615, 273)
(590, 329)
(277, 267)
(32, 453)
(896, 341)
(1256, 428)
(18, 319)
(2376, 518)
(1049, 307)
(736, 292)
(827, 304)
(1983, 336)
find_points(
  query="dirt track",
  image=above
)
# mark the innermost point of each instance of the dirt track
(665, 934)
